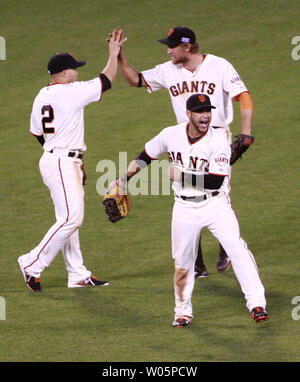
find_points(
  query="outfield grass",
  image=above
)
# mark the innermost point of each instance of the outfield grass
(131, 319)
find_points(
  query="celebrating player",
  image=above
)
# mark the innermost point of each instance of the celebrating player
(200, 155)
(189, 72)
(58, 123)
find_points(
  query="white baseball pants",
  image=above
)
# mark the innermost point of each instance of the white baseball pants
(216, 214)
(63, 176)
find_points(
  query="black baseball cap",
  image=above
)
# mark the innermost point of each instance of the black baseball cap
(198, 102)
(63, 61)
(178, 35)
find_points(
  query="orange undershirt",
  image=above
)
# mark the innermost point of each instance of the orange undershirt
(245, 101)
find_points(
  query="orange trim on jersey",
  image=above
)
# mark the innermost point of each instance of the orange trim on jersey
(148, 154)
(186, 130)
(211, 173)
(35, 135)
(204, 57)
(190, 70)
(147, 85)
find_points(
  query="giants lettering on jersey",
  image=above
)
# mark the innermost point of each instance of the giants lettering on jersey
(222, 160)
(192, 87)
(194, 162)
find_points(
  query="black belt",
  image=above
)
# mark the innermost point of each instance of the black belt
(71, 154)
(197, 198)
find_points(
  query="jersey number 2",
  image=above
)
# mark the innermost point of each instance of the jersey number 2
(48, 111)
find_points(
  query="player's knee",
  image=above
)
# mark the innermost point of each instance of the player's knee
(75, 221)
(78, 221)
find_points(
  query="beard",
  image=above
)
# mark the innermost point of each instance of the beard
(179, 60)
(200, 127)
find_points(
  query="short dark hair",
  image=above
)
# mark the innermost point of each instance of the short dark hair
(194, 47)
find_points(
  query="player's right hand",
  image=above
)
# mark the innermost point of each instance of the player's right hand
(174, 174)
(113, 184)
(119, 37)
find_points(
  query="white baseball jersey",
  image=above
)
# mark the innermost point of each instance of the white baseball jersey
(215, 77)
(58, 113)
(208, 155)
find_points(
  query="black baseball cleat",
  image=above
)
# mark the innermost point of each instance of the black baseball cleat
(259, 314)
(223, 262)
(88, 282)
(32, 282)
(181, 322)
(200, 271)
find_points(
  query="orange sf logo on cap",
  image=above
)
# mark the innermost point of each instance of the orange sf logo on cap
(171, 31)
(201, 98)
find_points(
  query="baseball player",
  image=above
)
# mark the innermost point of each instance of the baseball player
(57, 121)
(199, 154)
(189, 72)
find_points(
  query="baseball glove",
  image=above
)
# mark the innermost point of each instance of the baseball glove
(116, 205)
(239, 146)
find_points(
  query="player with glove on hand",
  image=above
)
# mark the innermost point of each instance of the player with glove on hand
(116, 202)
(239, 146)
(200, 169)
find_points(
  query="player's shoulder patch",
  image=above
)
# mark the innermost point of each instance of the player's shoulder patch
(222, 160)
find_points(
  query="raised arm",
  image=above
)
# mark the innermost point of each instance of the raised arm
(116, 41)
(129, 72)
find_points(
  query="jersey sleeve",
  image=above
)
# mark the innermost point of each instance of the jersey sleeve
(154, 78)
(219, 161)
(157, 145)
(88, 91)
(35, 122)
(232, 82)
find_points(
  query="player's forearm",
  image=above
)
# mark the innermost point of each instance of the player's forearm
(116, 42)
(133, 168)
(127, 71)
(201, 181)
(247, 116)
(246, 108)
(141, 161)
(111, 67)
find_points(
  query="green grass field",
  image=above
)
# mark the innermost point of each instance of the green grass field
(130, 321)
